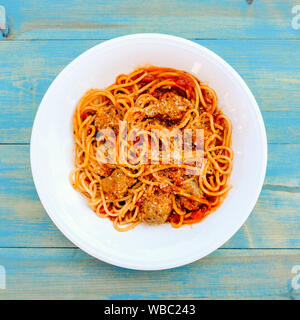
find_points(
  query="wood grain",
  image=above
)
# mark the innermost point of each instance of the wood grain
(214, 19)
(72, 274)
(271, 69)
(257, 40)
(273, 223)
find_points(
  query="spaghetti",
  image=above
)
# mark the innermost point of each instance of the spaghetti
(151, 183)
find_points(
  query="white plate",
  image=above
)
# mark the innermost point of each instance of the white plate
(145, 247)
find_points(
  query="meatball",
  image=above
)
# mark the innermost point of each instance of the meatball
(157, 208)
(192, 188)
(107, 117)
(170, 107)
(116, 185)
(103, 170)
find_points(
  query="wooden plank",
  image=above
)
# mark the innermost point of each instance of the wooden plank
(72, 274)
(273, 223)
(270, 68)
(25, 222)
(230, 19)
(283, 162)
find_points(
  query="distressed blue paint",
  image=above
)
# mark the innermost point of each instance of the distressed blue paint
(70, 273)
(246, 266)
(194, 19)
(283, 165)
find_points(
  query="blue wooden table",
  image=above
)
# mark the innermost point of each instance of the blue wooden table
(260, 39)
